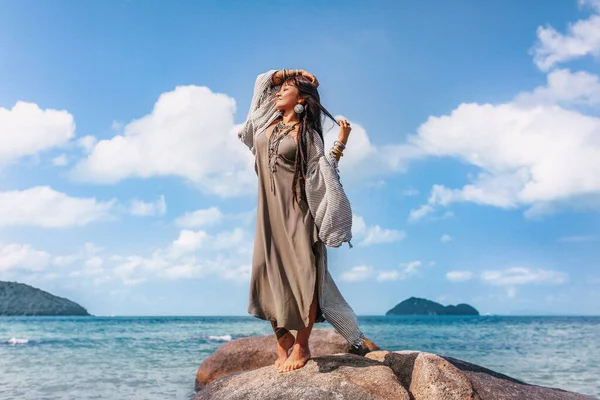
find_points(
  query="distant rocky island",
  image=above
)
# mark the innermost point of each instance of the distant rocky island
(18, 299)
(416, 306)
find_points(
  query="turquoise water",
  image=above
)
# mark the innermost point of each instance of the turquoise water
(157, 357)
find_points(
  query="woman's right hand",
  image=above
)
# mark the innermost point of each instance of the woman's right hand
(310, 76)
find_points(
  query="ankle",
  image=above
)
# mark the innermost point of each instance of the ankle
(302, 346)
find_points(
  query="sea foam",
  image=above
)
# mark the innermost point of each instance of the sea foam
(16, 341)
(224, 338)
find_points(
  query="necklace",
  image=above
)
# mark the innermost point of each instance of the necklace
(279, 132)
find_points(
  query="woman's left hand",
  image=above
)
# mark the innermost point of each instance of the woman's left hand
(310, 76)
(344, 131)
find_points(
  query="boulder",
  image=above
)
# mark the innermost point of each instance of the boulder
(492, 385)
(428, 376)
(259, 351)
(333, 377)
(243, 369)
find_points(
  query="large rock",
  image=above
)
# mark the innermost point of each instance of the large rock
(491, 385)
(427, 376)
(334, 377)
(243, 370)
(431, 377)
(259, 351)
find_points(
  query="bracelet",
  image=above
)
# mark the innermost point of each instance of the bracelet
(336, 151)
(340, 144)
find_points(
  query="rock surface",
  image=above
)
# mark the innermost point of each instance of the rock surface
(416, 306)
(237, 372)
(17, 299)
(333, 377)
(255, 352)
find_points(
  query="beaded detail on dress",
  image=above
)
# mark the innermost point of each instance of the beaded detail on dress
(280, 131)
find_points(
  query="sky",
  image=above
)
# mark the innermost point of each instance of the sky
(473, 166)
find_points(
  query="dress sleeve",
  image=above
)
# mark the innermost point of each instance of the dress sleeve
(262, 108)
(325, 195)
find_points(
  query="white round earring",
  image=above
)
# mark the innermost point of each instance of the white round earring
(299, 108)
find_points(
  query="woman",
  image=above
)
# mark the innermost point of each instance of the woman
(302, 208)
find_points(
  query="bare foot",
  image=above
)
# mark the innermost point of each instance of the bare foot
(300, 355)
(284, 344)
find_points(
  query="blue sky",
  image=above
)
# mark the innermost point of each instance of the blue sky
(473, 168)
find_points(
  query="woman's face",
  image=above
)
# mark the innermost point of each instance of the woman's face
(287, 97)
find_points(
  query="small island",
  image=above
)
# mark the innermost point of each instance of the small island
(18, 299)
(417, 306)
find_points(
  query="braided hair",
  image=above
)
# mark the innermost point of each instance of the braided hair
(310, 122)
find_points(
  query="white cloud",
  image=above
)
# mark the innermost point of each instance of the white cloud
(359, 149)
(87, 261)
(358, 273)
(582, 39)
(374, 234)
(541, 157)
(410, 192)
(405, 271)
(26, 130)
(189, 133)
(194, 254)
(91, 266)
(23, 257)
(566, 88)
(446, 238)
(87, 143)
(378, 184)
(511, 278)
(60, 161)
(411, 268)
(141, 208)
(388, 275)
(364, 159)
(522, 276)
(92, 248)
(44, 207)
(188, 242)
(420, 212)
(116, 126)
(228, 239)
(459, 276)
(200, 218)
(539, 151)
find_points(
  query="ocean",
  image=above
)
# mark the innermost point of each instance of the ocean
(157, 357)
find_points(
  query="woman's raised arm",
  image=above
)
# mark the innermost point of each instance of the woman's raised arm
(283, 74)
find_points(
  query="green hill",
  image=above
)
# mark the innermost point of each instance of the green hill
(20, 299)
(416, 306)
